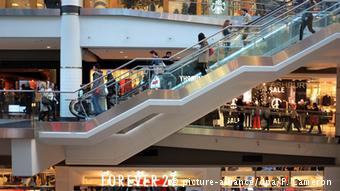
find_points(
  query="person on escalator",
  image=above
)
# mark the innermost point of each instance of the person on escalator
(112, 88)
(307, 19)
(246, 20)
(226, 32)
(97, 91)
(203, 58)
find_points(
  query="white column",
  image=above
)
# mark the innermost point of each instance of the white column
(332, 175)
(213, 174)
(30, 157)
(67, 178)
(70, 54)
(337, 112)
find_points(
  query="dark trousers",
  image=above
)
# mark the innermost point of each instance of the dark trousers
(202, 68)
(312, 126)
(296, 123)
(307, 20)
(268, 122)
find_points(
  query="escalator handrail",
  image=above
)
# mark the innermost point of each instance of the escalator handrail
(184, 50)
(202, 50)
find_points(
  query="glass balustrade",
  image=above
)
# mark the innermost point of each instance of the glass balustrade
(186, 7)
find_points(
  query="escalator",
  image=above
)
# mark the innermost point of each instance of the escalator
(146, 116)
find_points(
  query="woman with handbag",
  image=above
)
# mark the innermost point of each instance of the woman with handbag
(203, 58)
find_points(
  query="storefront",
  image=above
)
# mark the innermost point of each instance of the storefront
(274, 178)
(281, 96)
(135, 178)
(42, 181)
(186, 7)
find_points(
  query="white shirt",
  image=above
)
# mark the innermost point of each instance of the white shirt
(246, 18)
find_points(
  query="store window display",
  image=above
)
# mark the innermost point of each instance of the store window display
(23, 4)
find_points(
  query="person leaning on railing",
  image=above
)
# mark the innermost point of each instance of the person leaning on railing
(98, 92)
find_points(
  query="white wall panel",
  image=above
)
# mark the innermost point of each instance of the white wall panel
(30, 26)
(124, 31)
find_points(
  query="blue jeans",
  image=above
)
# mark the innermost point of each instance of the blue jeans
(96, 105)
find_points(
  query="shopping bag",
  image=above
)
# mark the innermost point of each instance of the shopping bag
(155, 83)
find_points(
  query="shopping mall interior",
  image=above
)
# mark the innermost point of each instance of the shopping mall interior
(165, 95)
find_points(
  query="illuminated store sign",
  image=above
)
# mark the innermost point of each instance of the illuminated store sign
(218, 6)
(138, 179)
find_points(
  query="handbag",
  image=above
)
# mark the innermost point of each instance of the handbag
(211, 51)
(45, 100)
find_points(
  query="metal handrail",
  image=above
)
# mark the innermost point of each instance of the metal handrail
(276, 21)
(200, 50)
(182, 51)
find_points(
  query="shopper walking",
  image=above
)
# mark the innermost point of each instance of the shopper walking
(53, 100)
(315, 118)
(203, 58)
(294, 119)
(307, 19)
(240, 104)
(45, 105)
(267, 117)
(97, 90)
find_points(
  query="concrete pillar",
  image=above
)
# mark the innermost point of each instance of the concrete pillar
(332, 175)
(213, 174)
(30, 157)
(70, 54)
(337, 112)
(67, 178)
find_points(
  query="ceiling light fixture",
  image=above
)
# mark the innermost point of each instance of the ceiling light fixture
(15, 5)
(48, 47)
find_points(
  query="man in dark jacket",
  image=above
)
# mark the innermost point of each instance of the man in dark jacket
(307, 19)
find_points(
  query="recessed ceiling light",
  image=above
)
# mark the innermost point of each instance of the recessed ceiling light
(15, 5)
(48, 47)
(121, 52)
